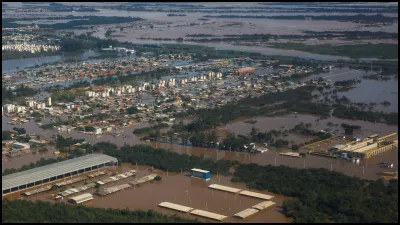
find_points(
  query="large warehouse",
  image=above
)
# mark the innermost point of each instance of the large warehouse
(44, 174)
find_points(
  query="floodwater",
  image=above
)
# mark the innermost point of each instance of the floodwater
(174, 27)
(180, 189)
(367, 91)
(269, 158)
(282, 123)
(375, 91)
(14, 65)
(27, 158)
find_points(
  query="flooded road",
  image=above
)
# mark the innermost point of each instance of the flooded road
(179, 189)
(371, 169)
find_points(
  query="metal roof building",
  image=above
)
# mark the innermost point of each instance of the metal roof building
(44, 174)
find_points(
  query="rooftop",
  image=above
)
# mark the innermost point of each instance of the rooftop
(206, 214)
(177, 207)
(201, 171)
(224, 188)
(246, 213)
(55, 169)
(256, 195)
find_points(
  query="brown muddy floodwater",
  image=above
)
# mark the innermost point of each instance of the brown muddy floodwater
(287, 122)
(26, 158)
(179, 189)
(371, 167)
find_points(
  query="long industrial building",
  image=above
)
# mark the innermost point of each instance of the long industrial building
(52, 172)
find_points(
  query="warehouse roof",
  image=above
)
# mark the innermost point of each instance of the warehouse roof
(177, 207)
(224, 188)
(256, 195)
(206, 214)
(246, 213)
(263, 205)
(55, 169)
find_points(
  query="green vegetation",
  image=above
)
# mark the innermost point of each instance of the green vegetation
(8, 95)
(22, 211)
(318, 195)
(323, 196)
(353, 113)
(345, 83)
(43, 149)
(171, 14)
(66, 142)
(350, 128)
(359, 18)
(148, 129)
(75, 21)
(57, 7)
(381, 51)
(200, 35)
(6, 135)
(295, 100)
(20, 130)
(302, 129)
(132, 110)
(164, 160)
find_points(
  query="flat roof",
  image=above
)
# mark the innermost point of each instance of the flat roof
(224, 188)
(200, 170)
(246, 213)
(366, 148)
(176, 207)
(82, 198)
(263, 205)
(256, 195)
(209, 215)
(55, 169)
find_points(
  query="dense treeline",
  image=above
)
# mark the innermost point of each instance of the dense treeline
(353, 34)
(22, 211)
(351, 112)
(356, 51)
(295, 100)
(12, 95)
(345, 83)
(74, 22)
(62, 142)
(163, 159)
(57, 7)
(348, 35)
(148, 129)
(318, 195)
(303, 130)
(260, 9)
(171, 14)
(323, 196)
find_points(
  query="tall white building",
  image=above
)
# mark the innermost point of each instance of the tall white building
(49, 101)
